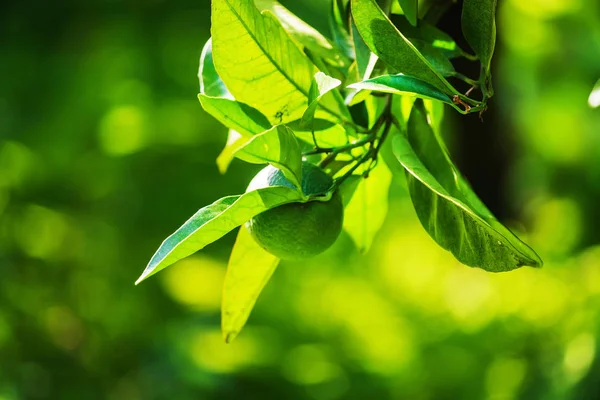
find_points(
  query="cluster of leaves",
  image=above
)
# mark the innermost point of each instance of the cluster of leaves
(363, 105)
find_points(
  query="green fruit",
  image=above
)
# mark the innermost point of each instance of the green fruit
(297, 231)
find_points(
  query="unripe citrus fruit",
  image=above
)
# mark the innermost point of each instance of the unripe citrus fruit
(297, 231)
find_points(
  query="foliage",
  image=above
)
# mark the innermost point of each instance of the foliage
(104, 150)
(263, 65)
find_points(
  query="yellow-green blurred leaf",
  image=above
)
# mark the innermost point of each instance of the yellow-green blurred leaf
(249, 269)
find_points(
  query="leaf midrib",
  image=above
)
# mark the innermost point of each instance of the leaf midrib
(288, 78)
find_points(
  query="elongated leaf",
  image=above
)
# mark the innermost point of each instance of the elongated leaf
(214, 221)
(338, 25)
(429, 34)
(403, 85)
(235, 141)
(594, 99)
(322, 84)
(411, 10)
(438, 60)
(249, 269)
(218, 102)
(235, 115)
(391, 46)
(365, 59)
(367, 209)
(348, 188)
(277, 146)
(479, 28)
(210, 81)
(447, 207)
(260, 64)
(304, 34)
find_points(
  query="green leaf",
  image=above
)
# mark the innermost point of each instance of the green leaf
(365, 59)
(218, 102)
(348, 188)
(249, 269)
(594, 99)
(235, 141)
(338, 25)
(403, 85)
(277, 146)
(429, 34)
(235, 115)
(367, 209)
(261, 65)
(210, 81)
(305, 35)
(479, 28)
(448, 208)
(411, 10)
(391, 46)
(214, 221)
(332, 136)
(322, 84)
(438, 60)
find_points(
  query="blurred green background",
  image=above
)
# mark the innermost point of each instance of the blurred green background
(104, 151)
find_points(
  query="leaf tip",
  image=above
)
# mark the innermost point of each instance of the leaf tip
(230, 336)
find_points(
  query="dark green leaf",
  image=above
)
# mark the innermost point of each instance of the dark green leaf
(435, 57)
(479, 28)
(338, 25)
(448, 208)
(403, 85)
(277, 146)
(214, 221)
(249, 269)
(411, 10)
(391, 46)
(429, 34)
(365, 59)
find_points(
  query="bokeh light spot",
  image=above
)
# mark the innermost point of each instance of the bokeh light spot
(196, 282)
(123, 130)
(40, 231)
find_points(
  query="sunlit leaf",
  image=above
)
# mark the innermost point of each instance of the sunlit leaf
(594, 99)
(249, 269)
(367, 209)
(277, 146)
(214, 221)
(410, 9)
(218, 102)
(322, 84)
(210, 81)
(348, 188)
(403, 85)
(235, 115)
(235, 140)
(448, 208)
(391, 46)
(301, 32)
(479, 28)
(260, 64)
